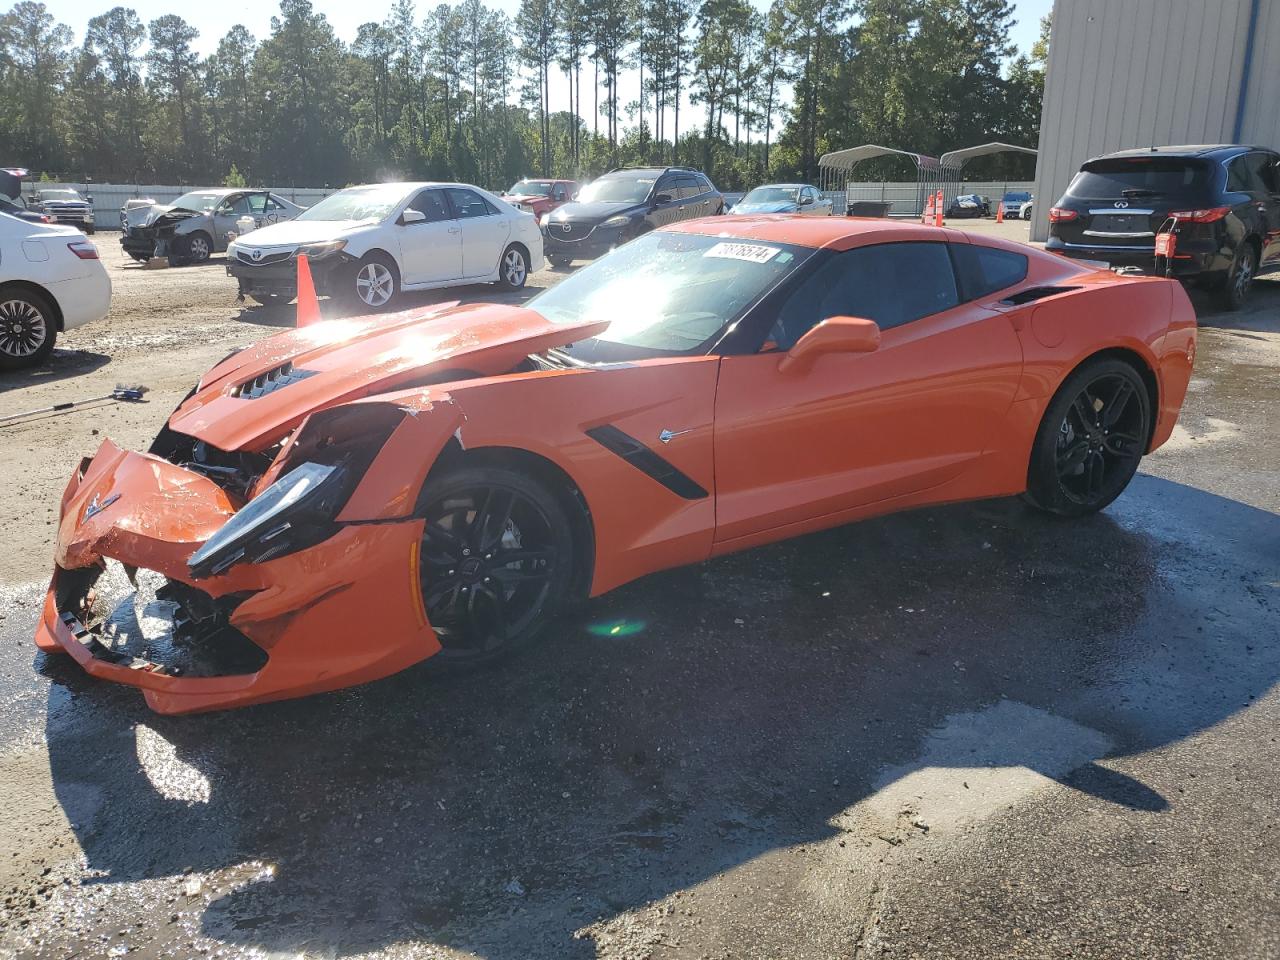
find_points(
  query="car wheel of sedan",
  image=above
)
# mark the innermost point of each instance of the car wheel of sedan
(27, 329)
(1235, 293)
(1091, 439)
(196, 248)
(496, 561)
(514, 270)
(374, 282)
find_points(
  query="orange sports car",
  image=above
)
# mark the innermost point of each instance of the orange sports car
(343, 500)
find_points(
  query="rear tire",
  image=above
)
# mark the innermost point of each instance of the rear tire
(1239, 280)
(496, 561)
(513, 269)
(559, 260)
(28, 329)
(1091, 439)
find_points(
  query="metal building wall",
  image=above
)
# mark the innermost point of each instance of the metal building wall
(1138, 73)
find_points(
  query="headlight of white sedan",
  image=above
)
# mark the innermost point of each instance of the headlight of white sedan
(325, 248)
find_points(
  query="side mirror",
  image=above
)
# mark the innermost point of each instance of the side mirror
(663, 198)
(832, 335)
(805, 201)
(412, 216)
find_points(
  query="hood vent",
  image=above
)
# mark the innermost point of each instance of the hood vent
(271, 381)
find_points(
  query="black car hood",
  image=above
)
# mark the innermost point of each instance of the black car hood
(597, 211)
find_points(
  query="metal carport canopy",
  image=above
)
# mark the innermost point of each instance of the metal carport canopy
(845, 159)
(954, 159)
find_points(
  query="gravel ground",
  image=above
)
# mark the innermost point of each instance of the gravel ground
(969, 731)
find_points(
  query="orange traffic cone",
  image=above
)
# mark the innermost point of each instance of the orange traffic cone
(999, 211)
(926, 217)
(937, 211)
(308, 305)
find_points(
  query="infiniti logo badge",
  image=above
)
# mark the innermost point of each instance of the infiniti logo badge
(1122, 203)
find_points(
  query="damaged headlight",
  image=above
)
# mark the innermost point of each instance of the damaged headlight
(314, 251)
(296, 511)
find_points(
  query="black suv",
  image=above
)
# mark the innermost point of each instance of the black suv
(623, 204)
(1224, 199)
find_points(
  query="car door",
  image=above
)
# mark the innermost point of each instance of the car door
(857, 428)
(808, 202)
(230, 209)
(484, 231)
(1267, 173)
(430, 249)
(666, 203)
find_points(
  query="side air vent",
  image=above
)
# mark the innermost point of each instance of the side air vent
(271, 381)
(646, 461)
(1032, 294)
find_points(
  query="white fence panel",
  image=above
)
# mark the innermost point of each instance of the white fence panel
(108, 198)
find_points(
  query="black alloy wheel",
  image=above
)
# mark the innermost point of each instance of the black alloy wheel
(496, 561)
(1091, 440)
(1235, 292)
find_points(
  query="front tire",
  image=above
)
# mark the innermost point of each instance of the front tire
(28, 329)
(496, 561)
(559, 260)
(374, 283)
(194, 248)
(1091, 440)
(513, 271)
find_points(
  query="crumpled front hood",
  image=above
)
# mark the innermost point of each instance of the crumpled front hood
(148, 216)
(772, 206)
(253, 398)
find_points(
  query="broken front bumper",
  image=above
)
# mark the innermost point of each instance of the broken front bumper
(345, 611)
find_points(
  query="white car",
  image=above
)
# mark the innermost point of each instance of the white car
(1024, 211)
(51, 280)
(370, 243)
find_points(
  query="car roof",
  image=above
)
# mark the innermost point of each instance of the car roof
(810, 185)
(839, 233)
(1205, 150)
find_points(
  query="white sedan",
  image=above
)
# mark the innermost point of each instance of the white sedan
(51, 280)
(370, 243)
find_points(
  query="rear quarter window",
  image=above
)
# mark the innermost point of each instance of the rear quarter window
(984, 270)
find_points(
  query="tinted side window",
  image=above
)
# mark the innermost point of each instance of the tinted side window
(1240, 176)
(431, 203)
(705, 184)
(467, 203)
(984, 270)
(891, 283)
(687, 187)
(258, 203)
(1268, 171)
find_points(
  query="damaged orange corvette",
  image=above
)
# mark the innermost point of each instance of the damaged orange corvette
(349, 498)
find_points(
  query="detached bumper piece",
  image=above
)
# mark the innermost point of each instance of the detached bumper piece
(342, 611)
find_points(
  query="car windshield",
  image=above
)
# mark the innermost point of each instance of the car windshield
(617, 190)
(772, 195)
(1017, 197)
(59, 195)
(358, 203)
(1152, 176)
(203, 202)
(531, 188)
(666, 293)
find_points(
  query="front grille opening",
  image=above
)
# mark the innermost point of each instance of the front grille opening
(180, 630)
(271, 381)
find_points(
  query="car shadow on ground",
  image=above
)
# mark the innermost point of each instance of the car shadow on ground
(332, 308)
(61, 365)
(687, 725)
(1261, 314)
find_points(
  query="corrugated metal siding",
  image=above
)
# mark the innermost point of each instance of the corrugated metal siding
(1148, 72)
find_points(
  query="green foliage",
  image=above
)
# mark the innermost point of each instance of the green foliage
(234, 178)
(460, 91)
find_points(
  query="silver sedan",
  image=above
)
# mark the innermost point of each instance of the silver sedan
(200, 223)
(802, 198)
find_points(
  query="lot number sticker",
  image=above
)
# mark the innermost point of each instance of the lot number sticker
(751, 252)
